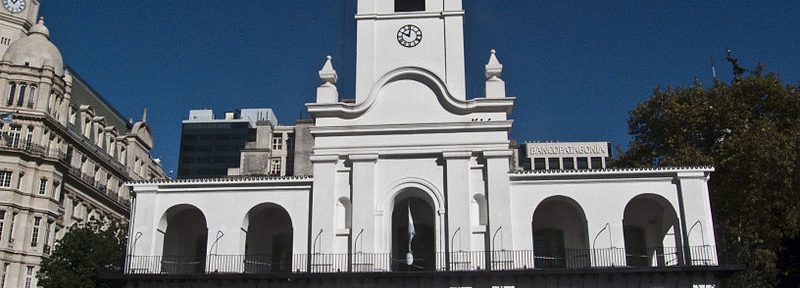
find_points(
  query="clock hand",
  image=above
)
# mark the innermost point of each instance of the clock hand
(408, 33)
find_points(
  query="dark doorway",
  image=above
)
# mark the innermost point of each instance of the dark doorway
(268, 247)
(185, 241)
(423, 244)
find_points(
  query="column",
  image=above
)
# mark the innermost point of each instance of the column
(323, 205)
(498, 196)
(697, 227)
(363, 229)
(459, 230)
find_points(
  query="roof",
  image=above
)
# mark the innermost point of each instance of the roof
(84, 94)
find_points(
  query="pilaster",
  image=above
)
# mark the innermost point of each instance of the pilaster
(363, 230)
(498, 196)
(323, 204)
(458, 201)
(697, 227)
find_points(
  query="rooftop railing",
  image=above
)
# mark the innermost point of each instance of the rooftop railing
(506, 260)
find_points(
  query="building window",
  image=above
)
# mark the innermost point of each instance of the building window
(569, 163)
(32, 97)
(597, 163)
(5, 178)
(42, 186)
(277, 142)
(73, 115)
(37, 221)
(3, 277)
(538, 163)
(11, 230)
(583, 163)
(553, 164)
(20, 179)
(409, 5)
(29, 277)
(275, 167)
(2, 221)
(16, 132)
(47, 236)
(21, 98)
(12, 89)
(29, 138)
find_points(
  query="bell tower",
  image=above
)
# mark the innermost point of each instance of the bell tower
(16, 17)
(427, 34)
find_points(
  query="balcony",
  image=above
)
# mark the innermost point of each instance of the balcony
(99, 187)
(507, 260)
(8, 144)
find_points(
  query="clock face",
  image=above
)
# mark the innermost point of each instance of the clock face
(409, 36)
(14, 6)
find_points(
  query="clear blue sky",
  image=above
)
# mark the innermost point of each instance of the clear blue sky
(576, 66)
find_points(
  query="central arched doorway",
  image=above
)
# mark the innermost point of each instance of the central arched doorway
(185, 240)
(268, 243)
(413, 206)
(651, 232)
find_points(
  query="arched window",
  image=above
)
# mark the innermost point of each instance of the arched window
(409, 5)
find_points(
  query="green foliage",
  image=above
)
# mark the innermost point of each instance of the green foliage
(83, 254)
(750, 132)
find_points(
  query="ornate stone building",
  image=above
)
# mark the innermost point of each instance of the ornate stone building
(65, 153)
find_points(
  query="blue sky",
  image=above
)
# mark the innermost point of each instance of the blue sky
(576, 66)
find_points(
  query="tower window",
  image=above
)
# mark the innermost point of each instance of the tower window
(409, 5)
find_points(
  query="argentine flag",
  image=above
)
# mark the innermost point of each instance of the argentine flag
(411, 233)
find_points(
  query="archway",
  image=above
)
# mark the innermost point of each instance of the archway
(650, 226)
(268, 242)
(412, 205)
(560, 234)
(185, 240)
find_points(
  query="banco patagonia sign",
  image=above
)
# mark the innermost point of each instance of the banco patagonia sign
(573, 149)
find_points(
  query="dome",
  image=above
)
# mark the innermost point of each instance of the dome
(35, 50)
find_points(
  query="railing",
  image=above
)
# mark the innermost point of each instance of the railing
(99, 186)
(8, 143)
(505, 260)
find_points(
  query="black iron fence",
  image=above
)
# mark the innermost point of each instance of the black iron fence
(505, 260)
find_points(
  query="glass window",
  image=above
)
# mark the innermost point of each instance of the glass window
(583, 163)
(29, 277)
(3, 276)
(11, 230)
(16, 132)
(277, 142)
(538, 164)
(21, 99)
(42, 186)
(409, 5)
(32, 97)
(569, 163)
(35, 236)
(597, 163)
(275, 167)
(553, 163)
(5, 178)
(2, 221)
(12, 89)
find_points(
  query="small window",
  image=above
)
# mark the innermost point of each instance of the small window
(3, 276)
(275, 167)
(32, 97)
(569, 163)
(597, 163)
(37, 221)
(2, 221)
(538, 164)
(12, 89)
(29, 277)
(21, 99)
(277, 142)
(5, 178)
(583, 163)
(553, 164)
(409, 5)
(42, 186)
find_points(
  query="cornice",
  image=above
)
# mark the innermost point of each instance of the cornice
(414, 128)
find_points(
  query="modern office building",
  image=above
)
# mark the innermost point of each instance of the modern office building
(413, 175)
(65, 152)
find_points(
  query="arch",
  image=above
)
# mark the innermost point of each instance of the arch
(185, 236)
(560, 234)
(651, 230)
(268, 239)
(413, 203)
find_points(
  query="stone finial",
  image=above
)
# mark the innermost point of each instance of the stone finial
(144, 115)
(493, 69)
(495, 87)
(328, 74)
(327, 92)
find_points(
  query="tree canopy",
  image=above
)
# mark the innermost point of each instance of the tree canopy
(749, 130)
(83, 254)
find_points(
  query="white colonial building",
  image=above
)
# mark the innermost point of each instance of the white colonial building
(414, 149)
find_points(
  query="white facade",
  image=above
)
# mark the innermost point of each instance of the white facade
(412, 143)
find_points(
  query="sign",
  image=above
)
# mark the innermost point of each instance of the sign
(570, 149)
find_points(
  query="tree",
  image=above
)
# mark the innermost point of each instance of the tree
(749, 131)
(83, 254)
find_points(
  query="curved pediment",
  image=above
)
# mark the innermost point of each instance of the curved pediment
(411, 84)
(142, 131)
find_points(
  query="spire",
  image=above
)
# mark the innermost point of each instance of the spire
(327, 93)
(493, 69)
(328, 74)
(495, 87)
(144, 115)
